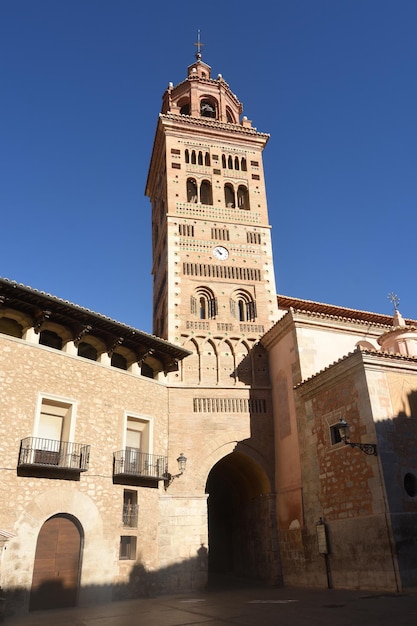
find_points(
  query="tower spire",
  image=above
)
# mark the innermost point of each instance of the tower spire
(199, 45)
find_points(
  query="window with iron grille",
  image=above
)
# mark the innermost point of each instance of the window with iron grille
(130, 508)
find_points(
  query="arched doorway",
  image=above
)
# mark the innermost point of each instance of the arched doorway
(56, 571)
(241, 521)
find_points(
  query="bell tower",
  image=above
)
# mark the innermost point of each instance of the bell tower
(213, 275)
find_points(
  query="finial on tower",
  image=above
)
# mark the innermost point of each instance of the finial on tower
(395, 301)
(199, 46)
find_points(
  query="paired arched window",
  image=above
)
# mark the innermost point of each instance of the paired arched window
(230, 196)
(243, 306)
(203, 194)
(203, 303)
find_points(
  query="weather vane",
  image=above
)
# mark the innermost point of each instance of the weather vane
(199, 46)
(395, 301)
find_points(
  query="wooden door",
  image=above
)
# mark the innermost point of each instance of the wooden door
(57, 565)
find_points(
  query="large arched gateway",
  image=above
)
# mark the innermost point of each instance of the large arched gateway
(56, 570)
(241, 520)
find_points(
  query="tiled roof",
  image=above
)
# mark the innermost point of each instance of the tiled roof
(32, 301)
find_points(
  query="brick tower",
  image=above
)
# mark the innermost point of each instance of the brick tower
(213, 275)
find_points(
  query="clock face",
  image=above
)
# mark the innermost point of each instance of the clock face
(221, 253)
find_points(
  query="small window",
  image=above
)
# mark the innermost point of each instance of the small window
(119, 361)
(410, 485)
(87, 351)
(243, 165)
(146, 370)
(10, 327)
(130, 508)
(335, 434)
(50, 339)
(207, 159)
(185, 109)
(127, 549)
(187, 156)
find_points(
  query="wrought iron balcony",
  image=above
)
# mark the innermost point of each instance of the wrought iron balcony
(54, 454)
(133, 462)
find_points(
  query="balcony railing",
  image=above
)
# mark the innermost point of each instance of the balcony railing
(133, 462)
(54, 454)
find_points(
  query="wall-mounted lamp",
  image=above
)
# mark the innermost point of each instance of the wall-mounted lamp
(169, 478)
(344, 432)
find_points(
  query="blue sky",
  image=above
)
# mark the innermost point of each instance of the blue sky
(332, 81)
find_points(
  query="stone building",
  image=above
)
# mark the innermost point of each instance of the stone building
(134, 464)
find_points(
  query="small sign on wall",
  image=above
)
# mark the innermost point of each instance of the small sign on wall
(322, 537)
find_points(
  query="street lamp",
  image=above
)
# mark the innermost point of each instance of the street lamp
(344, 432)
(169, 478)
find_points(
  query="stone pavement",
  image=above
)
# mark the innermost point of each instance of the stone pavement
(248, 606)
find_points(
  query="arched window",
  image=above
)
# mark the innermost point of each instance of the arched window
(193, 157)
(208, 109)
(9, 326)
(229, 196)
(187, 156)
(229, 116)
(200, 158)
(230, 163)
(242, 197)
(207, 159)
(192, 195)
(223, 161)
(87, 351)
(184, 105)
(119, 361)
(206, 196)
(51, 339)
(243, 165)
(236, 163)
(243, 306)
(203, 303)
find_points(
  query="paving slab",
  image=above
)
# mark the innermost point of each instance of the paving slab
(241, 607)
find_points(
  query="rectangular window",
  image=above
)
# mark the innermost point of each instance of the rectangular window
(127, 550)
(176, 166)
(175, 151)
(255, 176)
(138, 444)
(254, 163)
(130, 508)
(335, 434)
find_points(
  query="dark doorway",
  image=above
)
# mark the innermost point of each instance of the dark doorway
(56, 569)
(240, 521)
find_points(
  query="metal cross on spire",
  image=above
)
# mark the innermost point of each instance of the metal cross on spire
(199, 46)
(395, 301)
